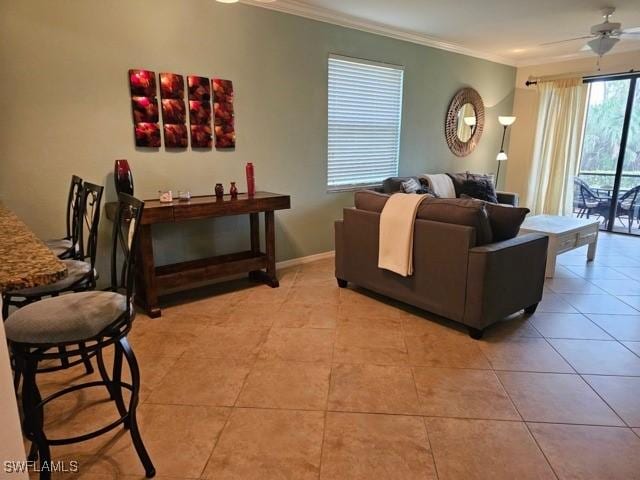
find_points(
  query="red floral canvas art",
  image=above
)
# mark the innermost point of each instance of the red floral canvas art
(199, 88)
(174, 111)
(142, 83)
(145, 109)
(201, 136)
(147, 135)
(224, 121)
(172, 86)
(175, 136)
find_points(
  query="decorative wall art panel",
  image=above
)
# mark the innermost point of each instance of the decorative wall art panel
(147, 135)
(175, 135)
(174, 111)
(224, 117)
(199, 112)
(145, 109)
(144, 105)
(142, 83)
(201, 136)
(199, 88)
(172, 86)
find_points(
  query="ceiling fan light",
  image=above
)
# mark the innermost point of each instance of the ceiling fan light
(602, 45)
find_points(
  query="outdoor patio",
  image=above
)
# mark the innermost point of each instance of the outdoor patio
(593, 195)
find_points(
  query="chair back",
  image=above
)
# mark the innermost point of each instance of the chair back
(90, 203)
(629, 199)
(73, 207)
(126, 227)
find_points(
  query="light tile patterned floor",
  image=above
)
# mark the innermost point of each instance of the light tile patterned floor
(311, 381)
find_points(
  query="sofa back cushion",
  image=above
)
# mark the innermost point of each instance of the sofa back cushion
(468, 212)
(459, 211)
(370, 200)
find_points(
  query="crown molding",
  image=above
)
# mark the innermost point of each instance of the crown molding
(299, 9)
(530, 62)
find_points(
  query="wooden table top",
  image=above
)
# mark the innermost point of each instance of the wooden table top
(25, 261)
(207, 206)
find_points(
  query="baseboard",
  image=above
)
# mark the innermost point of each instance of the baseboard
(294, 262)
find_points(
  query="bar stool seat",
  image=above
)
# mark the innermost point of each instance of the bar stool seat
(77, 272)
(68, 318)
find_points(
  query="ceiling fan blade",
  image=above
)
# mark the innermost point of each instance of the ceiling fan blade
(633, 30)
(567, 40)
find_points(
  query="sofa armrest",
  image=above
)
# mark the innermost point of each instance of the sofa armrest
(505, 277)
(508, 198)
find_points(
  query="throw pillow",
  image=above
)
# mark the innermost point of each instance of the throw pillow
(480, 188)
(458, 211)
(394, 184)
(505, 220)
(410, 186)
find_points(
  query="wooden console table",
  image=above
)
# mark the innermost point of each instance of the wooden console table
(151, 279)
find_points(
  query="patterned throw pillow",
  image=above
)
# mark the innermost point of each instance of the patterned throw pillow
(410, 186)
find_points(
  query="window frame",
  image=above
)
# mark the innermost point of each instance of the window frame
(359, 186)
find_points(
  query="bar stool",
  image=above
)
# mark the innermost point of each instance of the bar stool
(80, 325)
(66, 247)
(81, 272)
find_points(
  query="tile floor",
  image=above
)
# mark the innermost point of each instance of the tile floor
(311, 381)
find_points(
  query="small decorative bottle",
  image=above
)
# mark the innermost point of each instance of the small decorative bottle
(219, 190)
(233, 190)
(251, 181)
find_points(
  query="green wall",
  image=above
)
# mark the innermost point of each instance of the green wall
(65, 109)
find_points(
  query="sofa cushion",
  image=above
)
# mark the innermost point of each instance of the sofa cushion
(469, 212)
(505, 219)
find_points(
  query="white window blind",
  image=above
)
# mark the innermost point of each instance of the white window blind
(365, 109)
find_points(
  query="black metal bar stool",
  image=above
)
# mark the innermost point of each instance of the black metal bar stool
(81, 272)
(78, 325)
(67, 246)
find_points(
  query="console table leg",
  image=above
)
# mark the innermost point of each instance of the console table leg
(270, 245)
(147, 291)
(254, 224)
(591, 251)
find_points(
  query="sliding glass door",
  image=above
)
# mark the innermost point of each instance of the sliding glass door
(608, 184)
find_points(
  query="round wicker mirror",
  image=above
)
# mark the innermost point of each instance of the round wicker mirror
(465, 122)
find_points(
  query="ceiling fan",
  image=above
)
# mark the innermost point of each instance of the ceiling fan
(605, 35)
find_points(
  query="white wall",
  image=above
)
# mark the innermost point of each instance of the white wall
(525, 107)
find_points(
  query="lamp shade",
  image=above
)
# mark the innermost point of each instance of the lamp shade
(506, 120)
(501, 156)
(470, 121)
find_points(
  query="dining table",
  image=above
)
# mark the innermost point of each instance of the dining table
(25, 262)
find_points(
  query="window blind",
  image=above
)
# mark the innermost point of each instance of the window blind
(364, 114)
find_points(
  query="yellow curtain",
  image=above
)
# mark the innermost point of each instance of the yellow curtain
(556, 152)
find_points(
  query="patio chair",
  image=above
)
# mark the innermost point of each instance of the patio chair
(627, 205)
(587, 202)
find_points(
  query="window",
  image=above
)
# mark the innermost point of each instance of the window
(365, 108)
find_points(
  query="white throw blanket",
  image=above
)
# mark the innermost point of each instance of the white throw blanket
(395, 251)
(441, 184)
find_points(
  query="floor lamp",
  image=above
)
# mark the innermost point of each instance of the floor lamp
(502, 156)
